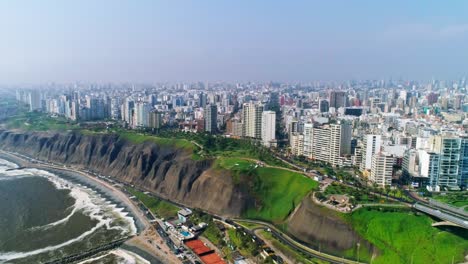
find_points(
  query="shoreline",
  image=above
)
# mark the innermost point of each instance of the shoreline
(75, 176)
(106, 189)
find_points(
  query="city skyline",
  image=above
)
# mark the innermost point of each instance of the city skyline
(158, 41)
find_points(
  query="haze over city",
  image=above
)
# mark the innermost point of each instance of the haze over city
(157, 41)
(233, 132)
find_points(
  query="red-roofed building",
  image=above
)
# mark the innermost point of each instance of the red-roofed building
(212, 258)
(206, 254)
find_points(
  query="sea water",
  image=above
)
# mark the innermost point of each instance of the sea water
(44, 217)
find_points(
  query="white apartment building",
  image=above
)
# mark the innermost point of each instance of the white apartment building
(297, 144)
(252, 117)
(268, 127)
(382, 169)
(371, 145)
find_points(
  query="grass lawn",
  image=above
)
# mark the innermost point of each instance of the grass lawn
(234, 164)
(404, 236)
(278, 192)
(457, 199)
(40, 122)
(157, 206)
(138, 138)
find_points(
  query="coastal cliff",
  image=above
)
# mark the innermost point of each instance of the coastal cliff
(167, 171)
(171, 173)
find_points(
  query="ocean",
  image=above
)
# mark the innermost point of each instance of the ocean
(44, 217)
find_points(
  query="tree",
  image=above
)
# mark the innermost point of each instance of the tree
(387, 191)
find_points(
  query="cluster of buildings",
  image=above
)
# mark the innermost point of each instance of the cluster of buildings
(389, 130)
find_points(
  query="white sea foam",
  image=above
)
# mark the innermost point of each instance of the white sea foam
(125, 257)
(6, 165)
(86, 201)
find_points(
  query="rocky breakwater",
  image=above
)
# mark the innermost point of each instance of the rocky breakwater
(166, 170)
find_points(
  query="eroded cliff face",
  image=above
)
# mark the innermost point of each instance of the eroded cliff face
(169, 172)
(319, 227)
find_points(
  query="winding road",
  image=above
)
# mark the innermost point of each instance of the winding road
(293, 243)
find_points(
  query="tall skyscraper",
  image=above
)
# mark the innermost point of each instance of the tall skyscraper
(211, 116)
(268, 127)
(252, 116)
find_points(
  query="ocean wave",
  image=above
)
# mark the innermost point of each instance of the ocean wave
(87, 201)
(124, 257)
(6, 165)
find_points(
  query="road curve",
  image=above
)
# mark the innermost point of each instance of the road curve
(296, 245)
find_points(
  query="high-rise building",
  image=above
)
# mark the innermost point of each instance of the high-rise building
(429, 167)
(308, 140)
(252, 116)
(449, 149)
(96, 108)
(115, 109)
(324, 106)
(345, 130)
(155, 119)
(463, 171)
(357, 158)
(337, 99)
(268, 127)
(141, 114)
(327, 143)
(128, 107)
(371, 145)
(410, 164)
(382, 169)
(202, 99)
(211, 116)
(34, 100)
(321, 144)
(297, 144)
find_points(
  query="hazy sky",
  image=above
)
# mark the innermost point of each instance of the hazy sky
(137, 40)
